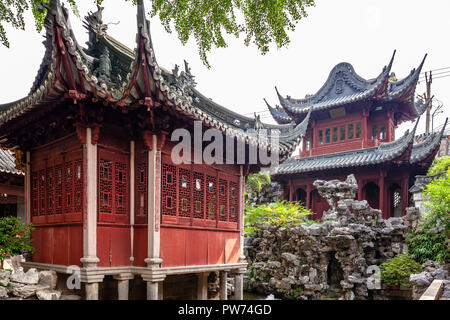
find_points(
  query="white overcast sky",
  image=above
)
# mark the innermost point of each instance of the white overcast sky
(362, 32)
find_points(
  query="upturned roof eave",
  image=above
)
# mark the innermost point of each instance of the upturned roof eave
(301, 106)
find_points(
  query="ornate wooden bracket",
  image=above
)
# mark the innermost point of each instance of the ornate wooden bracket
(147, 136)
(95, 133)
(81, 132)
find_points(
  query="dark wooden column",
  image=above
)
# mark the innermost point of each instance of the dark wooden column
(360, 188)
(390, 124)
(291, 191)
(365, 115)
(382, 199)
(405, 185)
(308, 195)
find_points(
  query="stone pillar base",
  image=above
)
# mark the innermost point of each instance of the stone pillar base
(123, 285)
(91, 291)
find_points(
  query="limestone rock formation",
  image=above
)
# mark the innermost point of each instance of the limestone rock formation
(29, 277)
(337, 257)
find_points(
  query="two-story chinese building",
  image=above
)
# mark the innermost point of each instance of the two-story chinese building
(352, 130)
(102, 188)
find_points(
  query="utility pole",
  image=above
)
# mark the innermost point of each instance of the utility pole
(427, 96)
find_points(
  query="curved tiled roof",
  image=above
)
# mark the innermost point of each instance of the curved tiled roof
(344, 86)
(177, 90)
(386, 152)
(8, 164)
(424, 149)
(279, 114)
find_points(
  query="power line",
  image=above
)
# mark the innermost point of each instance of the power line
(438, 73)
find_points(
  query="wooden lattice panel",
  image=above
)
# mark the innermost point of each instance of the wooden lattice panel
(199, 195)
(120, 185)
(234, 202)
(68, 187)
(34, 194)
(42, 199)
(184, 197)
(58, 188)
(211, 198)
(78, 186)
(50, 191)
(141, 177)
(223, 200)
(169, 190)
(105, 185)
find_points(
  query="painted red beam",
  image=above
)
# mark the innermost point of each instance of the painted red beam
(12, 190)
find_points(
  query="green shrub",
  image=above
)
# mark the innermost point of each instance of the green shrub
(396, 271)
(14, 237)
(281, 213)
(430, 240)
(440, 165)
(256, 181)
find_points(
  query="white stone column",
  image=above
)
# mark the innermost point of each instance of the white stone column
(239, 285)
(152, 290)
(241, 214)
(223, 285)
(132, 196)
(90, 258)
(202, 286)
(123, 285)
(91, 291)
(154, 205)
(153, 275)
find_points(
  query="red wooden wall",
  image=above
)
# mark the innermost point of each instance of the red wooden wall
(57, 202)
(199, 206)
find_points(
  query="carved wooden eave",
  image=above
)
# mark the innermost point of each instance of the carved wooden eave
(346, 88)
(75, 76)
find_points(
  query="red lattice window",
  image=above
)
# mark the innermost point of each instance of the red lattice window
(68, 187)
(223, 200)
(120, 187)
(41, 182)
(169, 190)
(184, 183)
(211, 200)
(141, 176)
(234, 202)
(58, 188)
(105, 176)
(50, 190)
(78, 185)
(34, 194)
(199, 192)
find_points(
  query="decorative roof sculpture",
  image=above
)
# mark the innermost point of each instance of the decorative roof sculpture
(344, 86)
(110, 72)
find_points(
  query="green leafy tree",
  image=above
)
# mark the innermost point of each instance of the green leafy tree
(440, 165)
(14, 237)
(281, 213)
(256, 181)
(431, 239)
(263, 22)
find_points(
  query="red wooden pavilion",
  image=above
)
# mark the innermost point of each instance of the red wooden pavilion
(101, 187)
